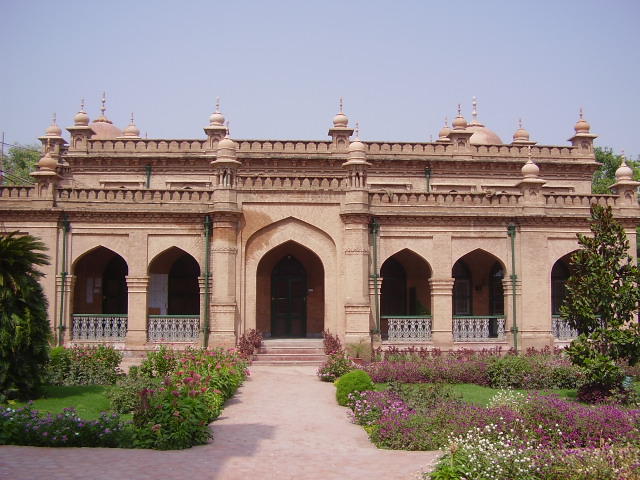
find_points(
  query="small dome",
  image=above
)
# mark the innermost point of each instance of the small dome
(340, 120)
(131, 130)
(530, 169)
(582, 126)
(217, 119)
(444, 133)
(53, 130)
(81, 119)
(357, 152)
(521, 135)
(47, 162)
(459, 123)
(624, 172)
(226, 150)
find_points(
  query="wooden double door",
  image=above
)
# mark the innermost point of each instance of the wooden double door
(289, 299)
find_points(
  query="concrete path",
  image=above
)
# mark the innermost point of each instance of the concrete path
(283, 423)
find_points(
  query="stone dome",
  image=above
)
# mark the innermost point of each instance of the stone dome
(530, 169)
(81, 118)
(340, 120)
(53, 130)
(131, 130)
(443, 135)
(521, 135)
(105, 129)
(582, 126)
(624, 172)
(217, 119)
(483, 136)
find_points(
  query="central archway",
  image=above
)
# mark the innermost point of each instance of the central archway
(290, 292)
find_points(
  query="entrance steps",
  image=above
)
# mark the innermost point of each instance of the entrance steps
(290, 351)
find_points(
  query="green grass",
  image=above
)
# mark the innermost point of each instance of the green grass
(476, 394)
(482, 395)
(88, 401)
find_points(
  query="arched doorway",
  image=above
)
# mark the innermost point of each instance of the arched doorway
(478, 297)
(100, 296)
(405, 297)
(174, 297)
(289, 298)
(290, 292)
(560, 274)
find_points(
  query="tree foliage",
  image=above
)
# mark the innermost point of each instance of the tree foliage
(18, 163)
(24, 326)
(602, 302)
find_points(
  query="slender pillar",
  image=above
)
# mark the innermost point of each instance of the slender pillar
(442, 308)
(224, 252)
(137, 317)
(356, 288)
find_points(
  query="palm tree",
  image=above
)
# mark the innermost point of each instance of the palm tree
(24, 326)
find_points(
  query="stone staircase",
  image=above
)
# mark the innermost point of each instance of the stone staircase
(290, 351)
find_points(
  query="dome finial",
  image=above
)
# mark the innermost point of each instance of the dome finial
(228, 127)
(217, 104)
(104, 100)
(54, 119)
(520, 122)
(475, 111)
(459, 110)
(357, 130)
(82, 105)
(340, 104)
(580, 113)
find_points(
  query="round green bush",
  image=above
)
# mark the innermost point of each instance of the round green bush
(354, 381)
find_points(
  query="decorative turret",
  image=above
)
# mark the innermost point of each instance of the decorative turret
(80, 131)
(357, 164)
(521, 136)
(625, 186)
(52, 141)
(460, 136)
(340, 132)
(225, 169)
(582, 138)
(531, 184)
(443, 136)
(216, 130)
(131, 131)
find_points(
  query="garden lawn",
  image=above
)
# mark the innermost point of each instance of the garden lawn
(88, 401)
(478, 395)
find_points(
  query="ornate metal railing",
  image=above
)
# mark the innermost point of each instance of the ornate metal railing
(99, 327)
(561, 329)
(409, 328)
(478, 329)
(173, 328)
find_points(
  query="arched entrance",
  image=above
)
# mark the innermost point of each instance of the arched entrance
(478, 297)
(100, 296)
(173, 284)
(289, 299)
(560, 274)
(290, 292)
(405, 295)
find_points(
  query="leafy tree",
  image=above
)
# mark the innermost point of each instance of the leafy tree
(605, 176)
(24, 326)
(18, 163)
(602, 302)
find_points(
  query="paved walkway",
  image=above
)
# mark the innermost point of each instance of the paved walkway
(283, 423)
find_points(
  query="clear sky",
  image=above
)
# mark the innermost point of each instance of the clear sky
(280, 67)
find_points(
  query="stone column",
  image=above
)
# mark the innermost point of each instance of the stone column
(442, 308)
(357, 307)
(224, 252)
(137, 318)
(67, 307)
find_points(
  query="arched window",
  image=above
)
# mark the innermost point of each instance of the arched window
(393, 299)
(496, 290)
(559, 276)
(462, 304)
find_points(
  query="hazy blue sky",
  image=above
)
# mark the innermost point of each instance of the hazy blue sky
(280, 67)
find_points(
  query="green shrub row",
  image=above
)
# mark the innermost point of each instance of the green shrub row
(173, 395)
(92, 365)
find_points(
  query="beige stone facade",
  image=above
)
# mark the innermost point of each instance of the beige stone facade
(460, 242)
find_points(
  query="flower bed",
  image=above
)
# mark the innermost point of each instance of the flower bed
(190, 389)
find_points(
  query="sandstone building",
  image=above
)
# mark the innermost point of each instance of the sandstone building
(459, 242)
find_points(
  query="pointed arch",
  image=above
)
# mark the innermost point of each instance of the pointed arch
(314, 248)
(174, 287)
